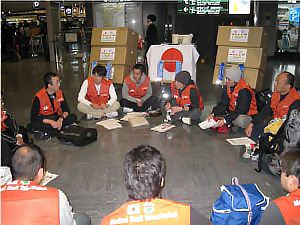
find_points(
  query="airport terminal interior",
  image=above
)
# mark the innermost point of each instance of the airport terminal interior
(40, 37)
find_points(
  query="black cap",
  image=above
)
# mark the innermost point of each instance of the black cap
(183, 77)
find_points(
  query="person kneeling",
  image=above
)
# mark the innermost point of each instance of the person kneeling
(238, 103)
(50, 111)
(137, 92)
(97, 96)
(144, 170)
(186, 103)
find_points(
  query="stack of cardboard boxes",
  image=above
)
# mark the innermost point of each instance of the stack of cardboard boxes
(117, 46)
(242, 45)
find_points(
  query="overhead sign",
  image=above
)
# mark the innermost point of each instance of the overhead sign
(203, 7)
(239, 6)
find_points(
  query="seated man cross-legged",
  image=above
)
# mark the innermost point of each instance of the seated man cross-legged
(238, 102)
(144, 169)
(50, 111)
(137, 92)
(97, 96)
(186, 103)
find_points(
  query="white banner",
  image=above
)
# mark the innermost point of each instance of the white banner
(239, 35)
(107, 54)
(108, 36)
(237, 55)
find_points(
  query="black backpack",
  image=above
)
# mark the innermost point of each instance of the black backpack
(78, 136)
(292, 130)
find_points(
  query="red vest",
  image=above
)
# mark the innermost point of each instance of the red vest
(154, 212)
(45, 104)
(184, 98)
(28, 203)
(281, 108)
(234, 94)
(290, 207)
(92, 94)
(137, 91)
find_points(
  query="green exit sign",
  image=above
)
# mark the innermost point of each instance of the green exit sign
(202, 7)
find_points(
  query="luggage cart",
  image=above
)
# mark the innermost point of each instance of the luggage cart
(36, 43)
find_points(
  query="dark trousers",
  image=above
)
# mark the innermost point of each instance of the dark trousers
(47, 128)
(194, 114)
(152, 101)
(258, 129)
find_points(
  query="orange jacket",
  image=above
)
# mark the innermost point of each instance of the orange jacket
(234, 94)
(281, 108)
(45, 104)
(137, 91)
(153, 212)
(28, 203)
(185, 98)
(290, 207)
(92, 94)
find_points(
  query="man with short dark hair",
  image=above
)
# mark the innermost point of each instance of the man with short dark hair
(50, 111)
(151, 32)
(286, 210)
(144, 170)
(97, 96)
(36, 204)
(137, 91)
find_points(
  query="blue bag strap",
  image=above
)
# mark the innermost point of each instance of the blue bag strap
(235, 181)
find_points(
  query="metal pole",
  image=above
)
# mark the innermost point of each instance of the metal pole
(255, 12)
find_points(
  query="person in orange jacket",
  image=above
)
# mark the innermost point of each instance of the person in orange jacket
(144, 170)
(286, 210)
(186, 101)
(36, 204)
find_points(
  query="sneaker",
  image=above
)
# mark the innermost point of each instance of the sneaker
(255, 155)
(111, 114)
(186, 120)
(127, 110)
(249, 151)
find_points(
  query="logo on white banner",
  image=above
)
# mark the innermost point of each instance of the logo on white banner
(237, 55)
(108, 36)
(239, 35)
(107, 53)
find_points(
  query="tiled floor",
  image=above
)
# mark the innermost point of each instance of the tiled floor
(198, 162)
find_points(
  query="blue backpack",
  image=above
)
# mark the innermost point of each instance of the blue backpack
(239, 205)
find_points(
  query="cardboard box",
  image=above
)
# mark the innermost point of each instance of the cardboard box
(253, 37)
(116, 55)
(119, 72)
(115, 36)
(250, 57)
(254, 77)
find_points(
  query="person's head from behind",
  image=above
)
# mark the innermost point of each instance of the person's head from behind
(233, 76)
(98, 73)
(151, 18)
(284, 82)
(138, 71)
(182, 79)
(52, 81)
(28, 163)
(290, 170)
(144, 170)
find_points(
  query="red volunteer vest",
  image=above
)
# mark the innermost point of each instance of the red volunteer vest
(281, 108)
(234, 94)
(137, 91)
(154, 212)
(45, 104)
(28, 203)
(184, 98)
(92, 94)
(290, 207)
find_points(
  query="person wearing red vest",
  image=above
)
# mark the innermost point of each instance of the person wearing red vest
(36, 204)
(50, 111)
(144, 170)
(238, 102)
(186, 101)
(286, 210)
(137, 92)
(97, 96)
(284, 99)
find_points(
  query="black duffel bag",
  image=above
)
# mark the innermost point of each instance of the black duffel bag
(78, 136)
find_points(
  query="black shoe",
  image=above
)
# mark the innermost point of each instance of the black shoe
(42, 136)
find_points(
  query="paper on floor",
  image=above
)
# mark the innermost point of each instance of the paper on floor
(207, 124)
(240, 141)
(110, 124)
(133, 115)
(47, 178)
(138, 121)
(163, 127)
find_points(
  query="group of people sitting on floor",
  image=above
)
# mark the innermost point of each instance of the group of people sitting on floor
(144, 171)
